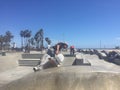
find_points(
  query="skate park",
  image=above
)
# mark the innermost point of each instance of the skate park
(80, 72)
(90, 30)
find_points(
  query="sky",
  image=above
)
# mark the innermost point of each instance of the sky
(83, 23)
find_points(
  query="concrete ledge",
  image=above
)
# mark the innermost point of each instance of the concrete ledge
(79, 56)
(3, 53)
(32, 56)
(86, 62)
(83, 62)
(29, 62)
(30, 59)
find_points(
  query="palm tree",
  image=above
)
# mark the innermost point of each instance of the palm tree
(48, 40)
(25, 34)
(27, 39)
(32, 41)
(7, 38)
(1, 41)
(22, 37)
(39, 37)
(42, 38)
(28, 35)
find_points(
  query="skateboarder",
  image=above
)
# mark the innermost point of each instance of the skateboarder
(53, 58)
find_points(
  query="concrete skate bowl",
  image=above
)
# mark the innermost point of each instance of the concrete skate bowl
(67, 78)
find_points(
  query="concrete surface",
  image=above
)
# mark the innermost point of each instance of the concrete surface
(101, 75)
(14, 74)
(67, 78)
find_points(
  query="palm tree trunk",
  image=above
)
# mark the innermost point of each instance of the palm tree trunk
(21, 42)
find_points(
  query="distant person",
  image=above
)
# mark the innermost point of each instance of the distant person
(27, 49)
(53, 56)
(23, 49)
(72, 50)
(13, 46)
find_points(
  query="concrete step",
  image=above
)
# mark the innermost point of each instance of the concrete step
(83, 62)
(68, 60)
(29, 62)
(31, 56)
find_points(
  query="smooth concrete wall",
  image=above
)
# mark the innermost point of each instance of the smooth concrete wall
(64, 78)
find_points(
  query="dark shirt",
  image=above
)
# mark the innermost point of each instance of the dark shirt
(61, 46)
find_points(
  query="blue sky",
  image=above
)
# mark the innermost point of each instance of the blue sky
(83, 23)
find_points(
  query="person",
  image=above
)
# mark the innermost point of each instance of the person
(57, 49)
(27, 50)
(72, 51)
(53, 57)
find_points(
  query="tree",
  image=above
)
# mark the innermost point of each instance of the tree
(39, 38)
(27, 36)
(48, 40)
(9, 36)
(7, 39)
(117, 47)
(32, 41)
(1, 41)
(22, 37)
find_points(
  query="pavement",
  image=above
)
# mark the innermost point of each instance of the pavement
(23, 78)
(10, 70)
(14, 74)
(102, 64)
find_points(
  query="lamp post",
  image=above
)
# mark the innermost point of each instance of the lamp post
(100, 44)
